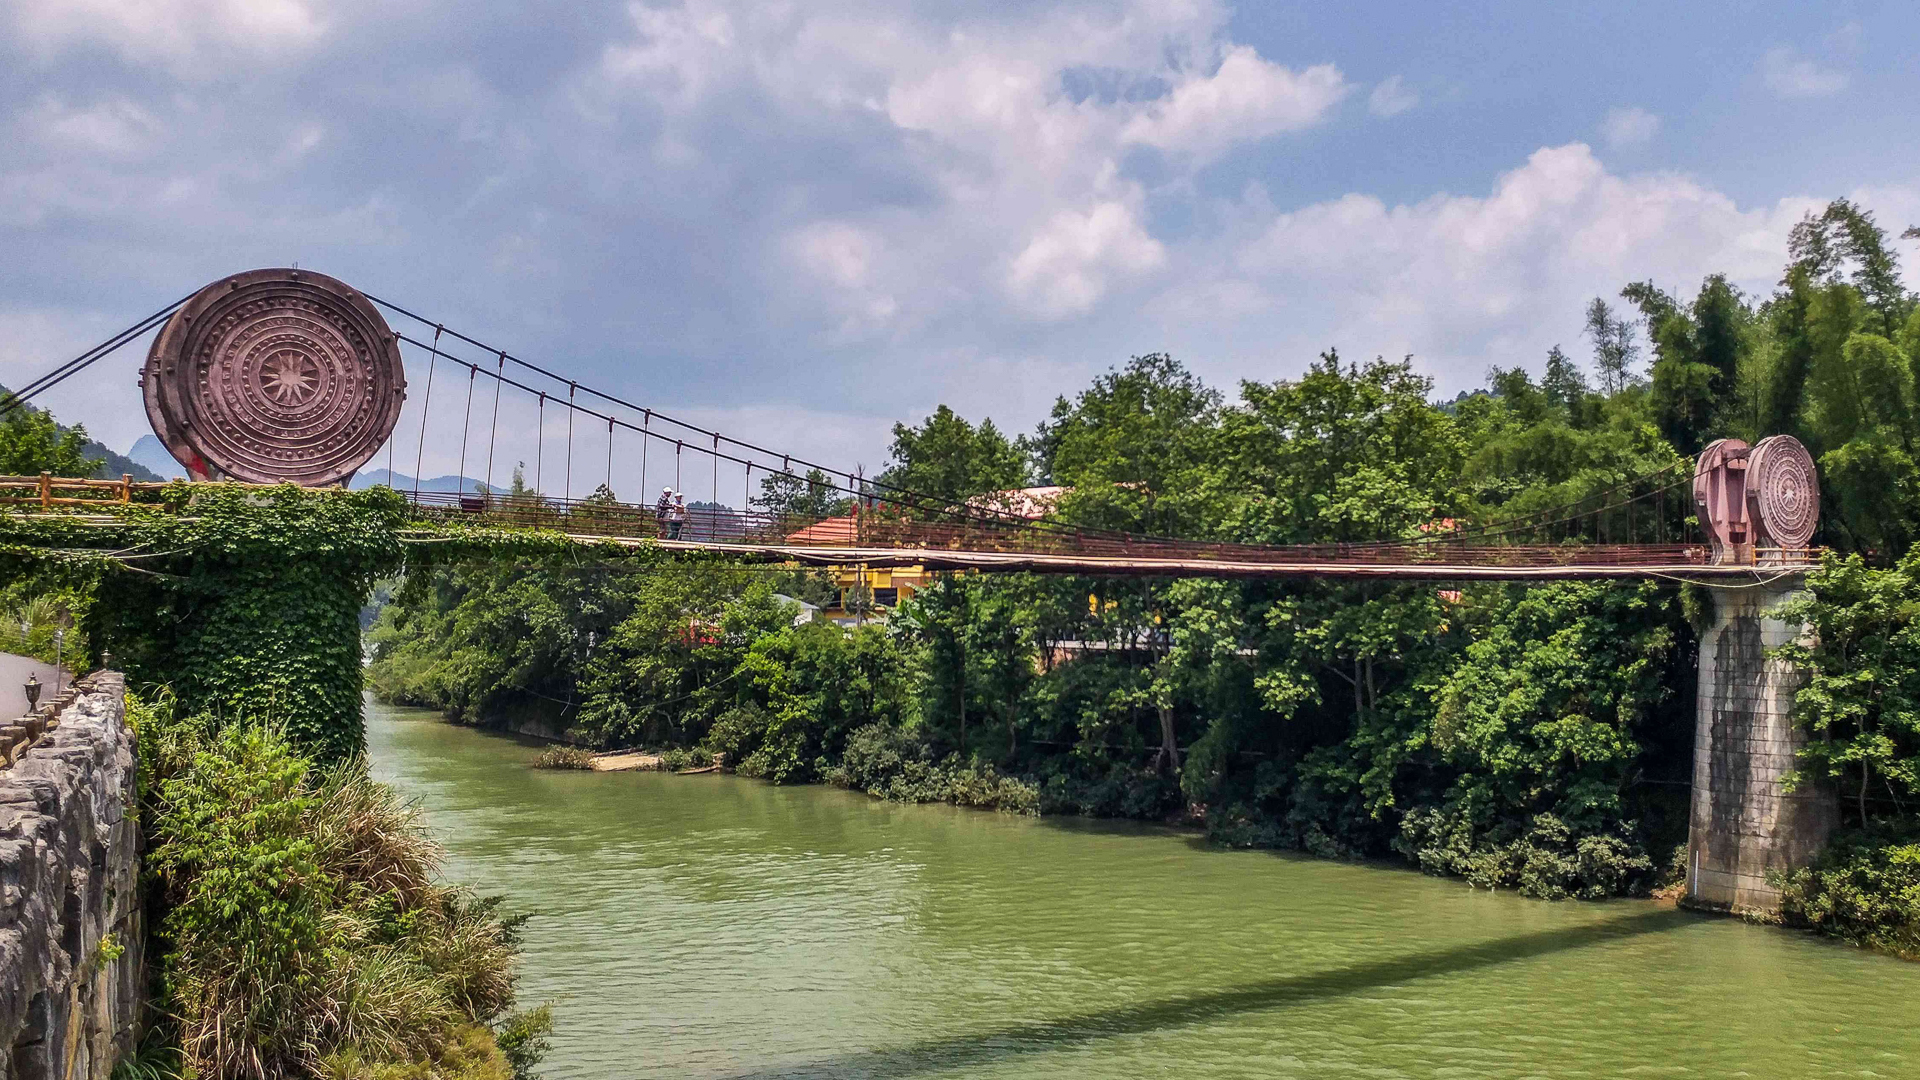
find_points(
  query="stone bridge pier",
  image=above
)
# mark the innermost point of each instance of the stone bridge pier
(1744, 823)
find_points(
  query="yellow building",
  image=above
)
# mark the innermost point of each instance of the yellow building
(883, 590)
(859, 592)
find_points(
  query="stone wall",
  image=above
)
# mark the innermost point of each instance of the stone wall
(71, 970)
(1743, 823)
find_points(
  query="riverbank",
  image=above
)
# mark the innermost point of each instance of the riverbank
(736, 929)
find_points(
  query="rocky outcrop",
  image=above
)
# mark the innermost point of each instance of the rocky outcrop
(71, 971)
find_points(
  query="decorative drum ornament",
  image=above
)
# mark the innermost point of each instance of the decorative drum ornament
(1783, 491)
(1719, 494)
(274, 376)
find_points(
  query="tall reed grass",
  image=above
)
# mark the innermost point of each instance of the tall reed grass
(303, 929)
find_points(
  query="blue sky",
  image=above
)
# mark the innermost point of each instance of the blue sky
(803, 221)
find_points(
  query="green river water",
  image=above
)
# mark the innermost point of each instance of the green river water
(711, 926)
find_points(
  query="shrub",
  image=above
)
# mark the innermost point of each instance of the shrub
(680, 759)
(891, 764)
(1547, 860)
(247, 902)
(1122, 791)
(1864, 887)
(302, 932)
(875, 754)
(523, 1039)
(564, 757)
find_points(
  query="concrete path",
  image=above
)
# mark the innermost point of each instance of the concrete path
(13, 677)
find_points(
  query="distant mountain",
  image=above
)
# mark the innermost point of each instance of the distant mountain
(150, 454)
(402, 482)
(113, 466)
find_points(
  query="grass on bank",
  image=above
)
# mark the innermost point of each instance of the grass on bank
(299, 929)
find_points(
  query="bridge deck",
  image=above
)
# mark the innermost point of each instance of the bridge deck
(1574, 564)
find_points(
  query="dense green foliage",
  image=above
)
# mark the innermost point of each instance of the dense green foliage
(299, 929)
(31, 443)
(44, 619)
(1861, 700)
(1860, 705)
(246, 602)
(1865, 888)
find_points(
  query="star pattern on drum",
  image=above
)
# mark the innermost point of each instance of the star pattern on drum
(290, 378)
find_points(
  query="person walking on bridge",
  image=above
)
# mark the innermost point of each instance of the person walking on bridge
(662, 508)
(676, 516)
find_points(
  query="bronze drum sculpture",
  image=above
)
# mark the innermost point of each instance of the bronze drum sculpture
(1783, 491)
(274, 376)
(1756, 499)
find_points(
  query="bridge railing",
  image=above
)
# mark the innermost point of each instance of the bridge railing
(878, 529)
(48, 490)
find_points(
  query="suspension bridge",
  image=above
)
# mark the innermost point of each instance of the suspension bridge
(284, 375)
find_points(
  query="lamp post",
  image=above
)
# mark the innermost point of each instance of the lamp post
(33, 691)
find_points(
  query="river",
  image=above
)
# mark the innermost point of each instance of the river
(712, 926)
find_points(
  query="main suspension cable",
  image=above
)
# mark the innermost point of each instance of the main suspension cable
(902, 496)
(862, 488)
(58, 375)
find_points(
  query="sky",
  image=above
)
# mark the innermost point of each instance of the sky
(802, 222)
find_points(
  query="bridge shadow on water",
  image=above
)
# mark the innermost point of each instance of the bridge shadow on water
(1041, 1036)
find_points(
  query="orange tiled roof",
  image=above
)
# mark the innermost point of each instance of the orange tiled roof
(834, 530)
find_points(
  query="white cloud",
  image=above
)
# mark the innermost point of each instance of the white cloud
(114, 128)
(677, 50)
(1629, 126)
(1466, 281)
(1392, 97)
(1066, 268)
(1790, 75)
(1024, 193)
(1246, 98)
(846, 257)
(193, 38)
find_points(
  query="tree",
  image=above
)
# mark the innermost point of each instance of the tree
(1132, 444)
(949, 459)
(1788, 315)
(1699, 353)
(1614, 349)
(1344, 453)
(1841, 237)
(797, 501)
(1860, 704)
(30, 443)
(1565, 385)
